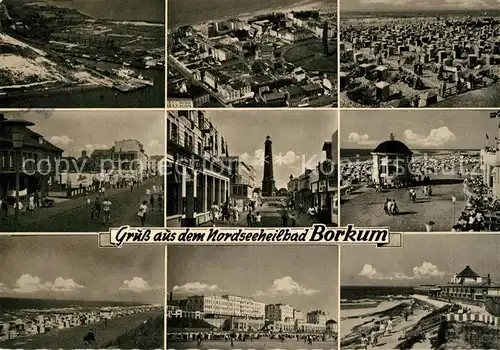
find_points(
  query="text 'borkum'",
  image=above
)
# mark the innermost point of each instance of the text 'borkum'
(316, 234)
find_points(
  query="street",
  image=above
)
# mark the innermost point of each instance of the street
(72, 338)
(365, 207)
(74, 215)
(271, 217)
(289, 344)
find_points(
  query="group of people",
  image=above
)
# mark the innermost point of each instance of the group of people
(381, 329)
(391, 207)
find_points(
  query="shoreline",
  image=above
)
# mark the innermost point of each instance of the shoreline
(303, 5)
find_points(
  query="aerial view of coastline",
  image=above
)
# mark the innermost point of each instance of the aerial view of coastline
(420, 170)
(423, 54)
(277, 55)
(62, 292)
(431, 294)
(58, 57)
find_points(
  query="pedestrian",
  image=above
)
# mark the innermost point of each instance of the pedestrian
(258, 219)
(31, 203)
(214, 209)
(37, 199)
(152, 202)
(160, 201)
(143, 209)
(106, 204)
(292, 218)
(284, 218)
(97, 209)
(249, 219)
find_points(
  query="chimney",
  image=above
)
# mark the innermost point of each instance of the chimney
(84, 154)
(171, 296)
(489, 279)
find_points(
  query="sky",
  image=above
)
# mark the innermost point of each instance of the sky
(75, 268)
(74, 131)
(435, 129)
(297, 136)
(423, 259)
(305, 277)
(416, 5)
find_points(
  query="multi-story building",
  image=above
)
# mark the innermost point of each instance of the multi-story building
(297, 315)
(226, 305)
(324, 180)
(196, 175)
(243, 177)
(38, 160)
(467, 285)
(124, 156)
(317, 317)
(279, 312)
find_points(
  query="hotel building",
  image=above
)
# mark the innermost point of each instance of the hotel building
(196, 174)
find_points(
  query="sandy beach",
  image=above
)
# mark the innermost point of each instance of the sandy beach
(356, 322)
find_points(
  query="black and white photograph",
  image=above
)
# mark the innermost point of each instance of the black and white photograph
(252, 297)
(432, 293)
(420, 171)
(265, 168)
(252, 54)
(81, 171)
(63, 292)
(441, 54)
(82, 54)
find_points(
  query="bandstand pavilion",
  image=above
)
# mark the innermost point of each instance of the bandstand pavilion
(391, 162)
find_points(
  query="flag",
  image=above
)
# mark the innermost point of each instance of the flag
(487, 137)
(495, 114)
(227, 150)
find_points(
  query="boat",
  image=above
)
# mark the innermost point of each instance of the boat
(145, 80)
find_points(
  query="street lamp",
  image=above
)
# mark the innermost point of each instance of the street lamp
(17, 128)
(454, 200)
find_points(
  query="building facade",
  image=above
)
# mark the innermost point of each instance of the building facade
(467, 285)
(243, 180)
(391, 162)
(196, 174)
(37, 161)
(279, 312)
(124, 156)
(226, 305)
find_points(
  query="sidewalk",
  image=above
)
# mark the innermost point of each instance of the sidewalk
(27, 218)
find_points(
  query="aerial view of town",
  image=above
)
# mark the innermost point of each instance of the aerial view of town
(48, 301)
(260, 301)
(430, 294)
(421, 170)
(284, 57)
(55, 57)
(418, 58)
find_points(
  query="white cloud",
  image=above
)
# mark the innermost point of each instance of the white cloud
(425, 270)
(29, 284)
(155, 145)
(256, 160)
(436, 138)
(3, 287)
(137, 285)
(361, 140)
(287, 159)
(62, 140)
(91, 147)
(195, 288)
(286, 286)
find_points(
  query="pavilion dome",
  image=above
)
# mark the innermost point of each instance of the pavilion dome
(392, 146)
